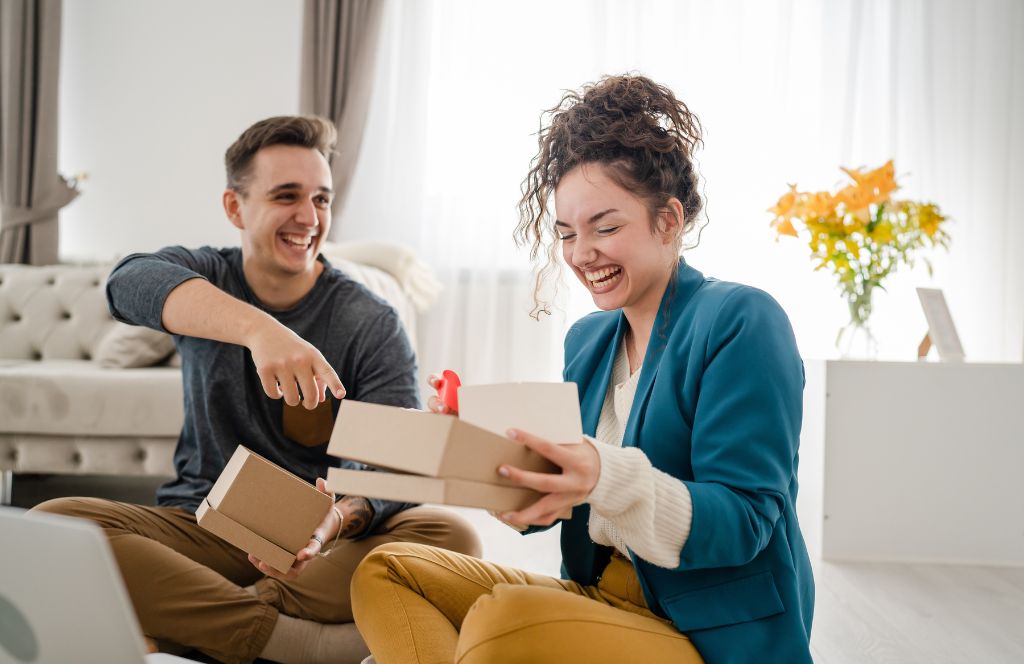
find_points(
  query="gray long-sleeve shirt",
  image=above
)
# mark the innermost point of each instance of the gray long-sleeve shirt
(358, 333)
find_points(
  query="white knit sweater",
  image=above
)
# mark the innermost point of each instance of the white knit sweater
(634, 506)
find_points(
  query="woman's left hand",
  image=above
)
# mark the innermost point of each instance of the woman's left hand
(581, 467)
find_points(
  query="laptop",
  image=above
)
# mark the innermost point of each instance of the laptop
(62, 598)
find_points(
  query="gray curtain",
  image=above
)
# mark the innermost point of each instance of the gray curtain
(31, 191)
(340, 41)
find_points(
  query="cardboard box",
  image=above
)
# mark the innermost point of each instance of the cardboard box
(548, 410)
(419, 489)
(413, 441)
(456, 457)
(263, 509)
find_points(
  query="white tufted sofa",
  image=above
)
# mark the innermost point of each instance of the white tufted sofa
(60, 412)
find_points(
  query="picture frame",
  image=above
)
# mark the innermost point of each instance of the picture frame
(941, 329)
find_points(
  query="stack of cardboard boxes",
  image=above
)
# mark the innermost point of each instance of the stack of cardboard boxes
(420, 457)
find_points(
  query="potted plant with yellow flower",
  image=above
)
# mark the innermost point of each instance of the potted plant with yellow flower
(862, 235)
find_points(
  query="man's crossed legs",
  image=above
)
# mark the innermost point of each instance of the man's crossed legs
(188, 586)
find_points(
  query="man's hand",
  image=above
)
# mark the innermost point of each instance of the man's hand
(285, 362)
(323, 533)
(287, 365)
(356, 514)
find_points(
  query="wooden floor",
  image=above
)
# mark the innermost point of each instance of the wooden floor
(864, 612)
(884, 612)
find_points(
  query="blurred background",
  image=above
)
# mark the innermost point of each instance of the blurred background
(151, 93)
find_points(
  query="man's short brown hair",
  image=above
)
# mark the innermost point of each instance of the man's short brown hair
(306, 131)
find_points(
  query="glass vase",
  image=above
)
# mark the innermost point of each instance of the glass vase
(855, 340)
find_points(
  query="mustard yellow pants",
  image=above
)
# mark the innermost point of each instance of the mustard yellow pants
(418, 603)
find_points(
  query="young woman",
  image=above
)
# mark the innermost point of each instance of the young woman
(683, 543)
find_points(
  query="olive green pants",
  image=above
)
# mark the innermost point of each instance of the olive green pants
(187, 585)
(415, 603)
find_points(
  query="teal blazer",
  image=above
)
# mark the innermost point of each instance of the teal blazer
(719, 406)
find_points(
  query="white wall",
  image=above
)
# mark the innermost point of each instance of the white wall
(151, 95)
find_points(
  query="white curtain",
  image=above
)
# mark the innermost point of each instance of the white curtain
(787, 90)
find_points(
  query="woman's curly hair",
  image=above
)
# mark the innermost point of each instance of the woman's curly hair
(638, 130)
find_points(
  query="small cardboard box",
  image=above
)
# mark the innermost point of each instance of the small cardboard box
(419, 489)
(412, 441)
(548, 410)
(458, 457)
(263, 509)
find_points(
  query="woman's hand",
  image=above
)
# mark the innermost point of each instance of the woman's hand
(581, 467)
(434, 403)
(325, 532)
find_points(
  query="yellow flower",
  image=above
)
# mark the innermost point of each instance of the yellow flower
(786, 204)
(783, 226)
(855, 198)
(859, 233)
(857, 223)
(869, 188)
(830, 247)
(818, 227)
(881, 181)
(929, 219)
(882, 233)
(818, 204)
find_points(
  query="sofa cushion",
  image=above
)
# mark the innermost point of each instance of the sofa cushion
(383, 285)
(132, 346)
(57, 312)
(76, 397)
(87, 455)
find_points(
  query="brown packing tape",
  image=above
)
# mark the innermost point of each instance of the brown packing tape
(234, 533)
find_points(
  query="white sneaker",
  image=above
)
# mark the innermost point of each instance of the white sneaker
(369, 660)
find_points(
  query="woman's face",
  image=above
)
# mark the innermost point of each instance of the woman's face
(608, 242)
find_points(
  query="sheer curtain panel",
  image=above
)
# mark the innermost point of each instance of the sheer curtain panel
(339, 47)
(788, 91)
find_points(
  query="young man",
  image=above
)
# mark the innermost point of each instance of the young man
(270, 336)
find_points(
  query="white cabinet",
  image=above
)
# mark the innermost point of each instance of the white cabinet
(913, 462)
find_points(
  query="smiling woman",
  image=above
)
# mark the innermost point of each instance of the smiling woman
(684, 541)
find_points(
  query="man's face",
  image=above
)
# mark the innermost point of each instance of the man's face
(285, 213)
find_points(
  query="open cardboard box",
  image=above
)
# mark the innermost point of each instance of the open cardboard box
(263, 509)
(456, 458)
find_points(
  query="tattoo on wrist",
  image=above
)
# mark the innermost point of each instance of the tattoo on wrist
(360, 513)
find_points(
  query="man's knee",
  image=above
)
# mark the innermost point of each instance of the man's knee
(111, 515)
(438, 527)
(93, 509)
